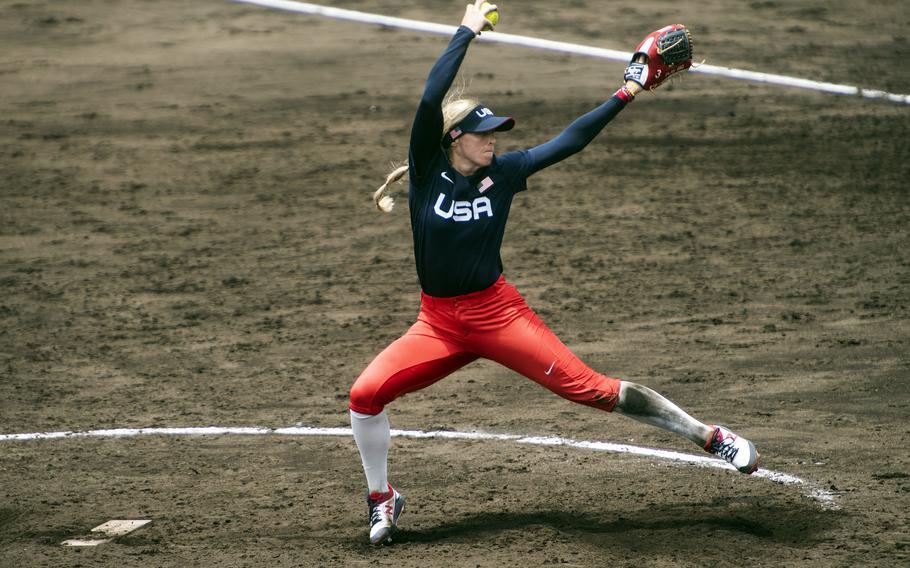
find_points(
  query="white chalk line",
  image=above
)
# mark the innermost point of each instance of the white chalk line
(577, 49)
(826, 498)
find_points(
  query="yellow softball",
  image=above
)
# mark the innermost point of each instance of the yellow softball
(492, 17)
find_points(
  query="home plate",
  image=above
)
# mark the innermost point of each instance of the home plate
(111, 529)
(119, 527)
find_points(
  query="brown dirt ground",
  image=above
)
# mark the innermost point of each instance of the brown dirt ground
(186, 239)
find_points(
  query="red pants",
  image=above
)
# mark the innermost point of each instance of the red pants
(495, 324)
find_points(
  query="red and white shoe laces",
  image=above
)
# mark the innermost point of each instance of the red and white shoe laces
(384, 510)
(736, 450)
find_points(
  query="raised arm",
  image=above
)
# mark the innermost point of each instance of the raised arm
(574, 138)
(426, 132)
(661, 54)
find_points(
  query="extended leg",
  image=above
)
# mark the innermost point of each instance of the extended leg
(645, 405)
(526, 345)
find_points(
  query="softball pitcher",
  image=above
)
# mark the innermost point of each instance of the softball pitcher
(460, 193)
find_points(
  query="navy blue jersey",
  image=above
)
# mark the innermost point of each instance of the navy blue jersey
(458, 222)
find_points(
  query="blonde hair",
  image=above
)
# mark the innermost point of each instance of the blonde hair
(455, 108)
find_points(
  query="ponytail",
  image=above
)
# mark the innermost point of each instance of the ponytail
(382, 197)
(455, 108)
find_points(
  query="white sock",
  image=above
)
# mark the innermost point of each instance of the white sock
(372, 435)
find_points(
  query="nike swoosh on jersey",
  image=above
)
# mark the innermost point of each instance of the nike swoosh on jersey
(445, 177)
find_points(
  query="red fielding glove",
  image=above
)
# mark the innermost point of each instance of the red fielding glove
(666, 52)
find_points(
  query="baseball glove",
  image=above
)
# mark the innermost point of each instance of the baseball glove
(660, 55)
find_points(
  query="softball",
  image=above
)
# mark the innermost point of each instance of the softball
(492, 17)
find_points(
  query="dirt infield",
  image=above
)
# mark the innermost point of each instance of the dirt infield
(187, 239)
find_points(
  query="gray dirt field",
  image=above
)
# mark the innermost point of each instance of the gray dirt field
(187, 239)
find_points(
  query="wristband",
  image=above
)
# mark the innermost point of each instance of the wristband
(625, 94)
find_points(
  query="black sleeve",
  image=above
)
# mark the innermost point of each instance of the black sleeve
(574, 138)
(426, 133)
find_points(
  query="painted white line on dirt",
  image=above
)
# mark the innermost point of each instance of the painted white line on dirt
(573, 48)
(810, 489)
(84, 541)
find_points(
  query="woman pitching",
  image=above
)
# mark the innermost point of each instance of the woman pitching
(460, 193)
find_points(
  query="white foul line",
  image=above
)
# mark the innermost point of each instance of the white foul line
(826, 498)
(565, 47)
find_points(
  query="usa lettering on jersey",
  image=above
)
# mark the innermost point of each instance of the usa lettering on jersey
(462, 211)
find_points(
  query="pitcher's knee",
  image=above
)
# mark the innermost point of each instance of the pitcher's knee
(601, 392)
(362, 398)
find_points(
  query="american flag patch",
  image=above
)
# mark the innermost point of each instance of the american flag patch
(486, 184)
